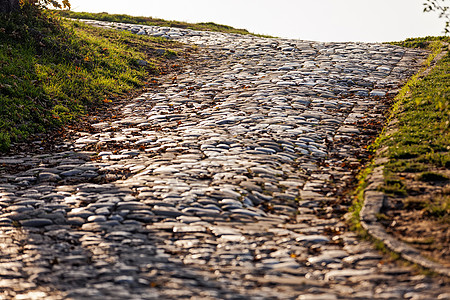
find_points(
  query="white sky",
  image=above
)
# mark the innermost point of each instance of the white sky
(319, 20)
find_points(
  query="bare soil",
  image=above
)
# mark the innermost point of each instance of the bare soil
(422, 218)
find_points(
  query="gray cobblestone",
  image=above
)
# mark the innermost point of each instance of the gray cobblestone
(225, 185)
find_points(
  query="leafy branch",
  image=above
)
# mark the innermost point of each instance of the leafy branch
(64, 4)
(440, 6)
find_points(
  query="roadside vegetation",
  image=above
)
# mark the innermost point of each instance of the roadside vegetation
(53, 70)
(209, 26)
(416, 146)
(420, 147)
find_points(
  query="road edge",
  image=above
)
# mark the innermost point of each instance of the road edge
(373, 202)
(374, 199)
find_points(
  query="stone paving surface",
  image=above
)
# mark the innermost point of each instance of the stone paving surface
(221, 183)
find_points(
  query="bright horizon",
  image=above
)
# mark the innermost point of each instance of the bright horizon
(318, 20)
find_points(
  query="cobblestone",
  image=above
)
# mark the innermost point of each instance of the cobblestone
(223, 182)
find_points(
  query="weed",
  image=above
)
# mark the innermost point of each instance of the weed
(170, 53)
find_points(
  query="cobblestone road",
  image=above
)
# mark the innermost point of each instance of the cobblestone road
(221, 183)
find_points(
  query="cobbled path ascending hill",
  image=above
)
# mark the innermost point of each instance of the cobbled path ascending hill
(223, 183)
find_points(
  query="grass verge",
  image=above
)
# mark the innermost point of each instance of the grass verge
(53, 70)
(120, 18)
(420, 147)
(418, 143)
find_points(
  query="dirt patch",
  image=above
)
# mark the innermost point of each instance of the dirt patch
(422, 218)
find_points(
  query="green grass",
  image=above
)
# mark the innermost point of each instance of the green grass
(403, 165)
(52, 70)
(439, 208)
(358, 200)
(423, 42)
(422, 142)
(393, 185)
(406, 148)
(208, 26)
